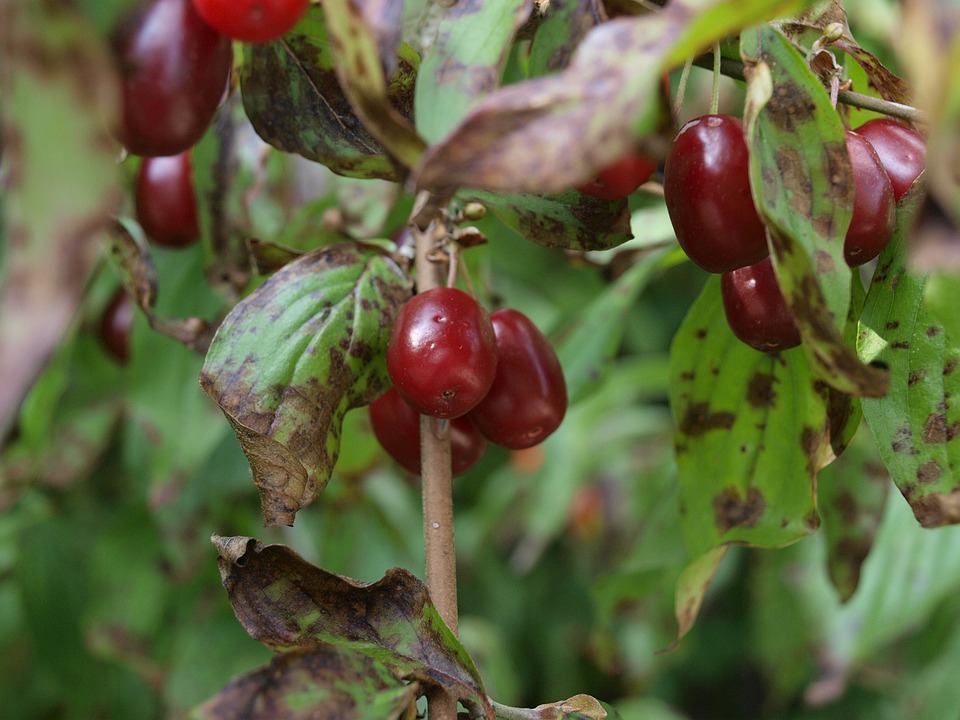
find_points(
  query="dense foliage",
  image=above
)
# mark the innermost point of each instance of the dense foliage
(189, 342)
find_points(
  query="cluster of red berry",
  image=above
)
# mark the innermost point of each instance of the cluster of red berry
(495, 377)
(707, 191)
(175, 58)
(706, 186)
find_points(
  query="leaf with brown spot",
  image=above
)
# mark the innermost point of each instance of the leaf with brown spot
(569, 220)
(852, 496)
(286, 604)
(59, 94)
(131, 254)
(552, 133)
(357, 54)
(917, 425)
(752, 432)
(565, 24)
(293, 97)
(290, 359)
(802, 184)
(324, 681)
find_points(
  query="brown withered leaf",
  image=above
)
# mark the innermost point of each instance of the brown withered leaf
(324, 681)
(286, 603)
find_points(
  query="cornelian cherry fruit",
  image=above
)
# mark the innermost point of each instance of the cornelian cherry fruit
(620, 179)
(166, 202)
(174, 70)
(442, 354)
(756, 309)
(871, 225)
(706, 186)
(253, 21)
(902, 152)
(397, 427)
(528, 398)
(116, 324)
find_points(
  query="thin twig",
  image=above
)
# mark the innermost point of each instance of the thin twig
(437, 497)
(734, 69)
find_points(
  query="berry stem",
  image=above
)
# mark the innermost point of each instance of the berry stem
(681, 91)
(437, 485)
(715, 91)
(734, 69)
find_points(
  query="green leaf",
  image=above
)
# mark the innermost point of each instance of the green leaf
(569, 220)
(293, 97)
(59, 83)
(564, 26)
(286, 603)
(917, 424)
(324, 681)
(587, 347)
(752, 431)
(289, 361)
(692, 586)
(465, 61)
(553, 133)
(357, 53)
(801, 178)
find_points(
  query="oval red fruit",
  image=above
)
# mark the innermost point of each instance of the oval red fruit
(902, 152)
(397, 427)
(756, 309)
(620, 179)
(116, 325)
(871, 225)
(166, 202)
(706, 186)
(443, 352)
(528, 398)
(174, 70)
(252, 21)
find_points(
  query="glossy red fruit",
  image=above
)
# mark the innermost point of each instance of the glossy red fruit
(253, 21)
(756, 310)
(871, 226)
(116, 324)
(528, 398)
(166, 202)
(902, 152)
(443, 352)
(706, 186)
(620, 179)
(397, 427)
(174, 70)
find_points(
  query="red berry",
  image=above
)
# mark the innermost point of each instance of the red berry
(871, 226)
(620, 179)
(252, 21)
(174, 70)
(443, 352)
(706, 186)
(116, 325)
(756, 310)
(902, 152)
(528, 398)
(166, 202)
(397, 427)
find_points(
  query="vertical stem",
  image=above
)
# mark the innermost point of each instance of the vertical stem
(715, 91)
(437, 499)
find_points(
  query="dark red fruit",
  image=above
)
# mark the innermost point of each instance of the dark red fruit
(528, 398)
(871, 226)
(116, 325)
(706, 186)
(174, 69)
(166, 201)
(397, 427)
(756, 310)
(443, 352)
(902, 152)
(620, 179)
(252, 21)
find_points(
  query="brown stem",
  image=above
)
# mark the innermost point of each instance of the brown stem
(734, 69)
(437, 497)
